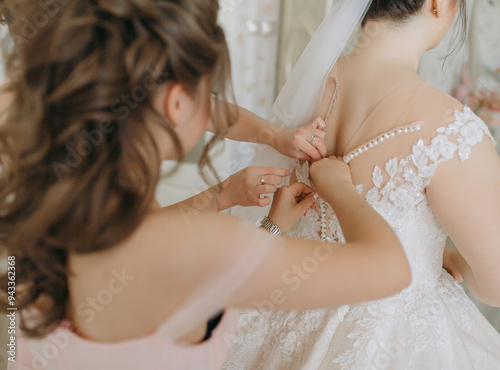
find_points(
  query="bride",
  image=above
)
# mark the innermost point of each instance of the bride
(427, 164)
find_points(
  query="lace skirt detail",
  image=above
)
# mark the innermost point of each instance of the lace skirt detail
(438, 328)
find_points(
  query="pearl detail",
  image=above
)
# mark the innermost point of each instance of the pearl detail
(324, 225)
(417, 126)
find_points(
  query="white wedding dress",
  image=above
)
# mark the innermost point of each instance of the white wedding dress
(430, 325)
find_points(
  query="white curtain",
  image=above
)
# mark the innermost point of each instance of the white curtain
(252, 30)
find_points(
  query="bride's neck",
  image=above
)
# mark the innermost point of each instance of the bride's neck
(402, 45)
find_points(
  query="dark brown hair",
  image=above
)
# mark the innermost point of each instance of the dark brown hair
(403, 10)
(79, 162)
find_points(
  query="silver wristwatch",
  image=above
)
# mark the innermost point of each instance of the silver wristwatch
(270, 226)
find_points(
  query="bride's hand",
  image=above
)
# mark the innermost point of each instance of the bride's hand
(330, 173)
(451, 263)
(290, 204)
(306, 143)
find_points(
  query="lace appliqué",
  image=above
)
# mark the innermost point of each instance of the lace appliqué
(409, 177)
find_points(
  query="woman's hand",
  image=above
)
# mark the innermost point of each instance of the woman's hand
(246, 187)
(330, 173)
(290, 204)
(306, 143)
(451, 263)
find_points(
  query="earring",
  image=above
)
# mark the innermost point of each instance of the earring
(435, 11)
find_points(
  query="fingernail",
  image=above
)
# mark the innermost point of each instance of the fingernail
(316, 196)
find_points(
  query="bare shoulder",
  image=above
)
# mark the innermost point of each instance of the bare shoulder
(166, 260)
(170, 252)
(440, 97)
(435, 106)
(185, 243)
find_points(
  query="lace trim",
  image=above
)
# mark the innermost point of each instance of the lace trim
(410, 176)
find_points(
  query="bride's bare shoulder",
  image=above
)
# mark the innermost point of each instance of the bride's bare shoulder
(435, 106)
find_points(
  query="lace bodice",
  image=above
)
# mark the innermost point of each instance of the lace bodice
(398, 193)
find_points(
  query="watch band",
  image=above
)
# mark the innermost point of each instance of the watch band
(271, 227)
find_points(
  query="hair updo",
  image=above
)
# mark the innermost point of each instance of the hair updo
(395, 10)
(79, 162)
(403, 10)
(398, 10)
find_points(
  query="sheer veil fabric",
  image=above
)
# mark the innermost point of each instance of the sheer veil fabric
(296, 104)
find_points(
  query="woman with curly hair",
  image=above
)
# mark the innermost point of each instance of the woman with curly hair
(101, 92)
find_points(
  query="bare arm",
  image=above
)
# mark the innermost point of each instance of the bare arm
(371, 265)
(244, 188)
(466, 198)
(253, 129)
(301, 274)
(293, 274)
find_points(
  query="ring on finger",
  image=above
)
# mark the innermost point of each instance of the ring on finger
(262, 180)
(314, 137)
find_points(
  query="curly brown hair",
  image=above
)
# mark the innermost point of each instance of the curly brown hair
(78, 160)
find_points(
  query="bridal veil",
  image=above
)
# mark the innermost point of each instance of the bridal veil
(299, 100)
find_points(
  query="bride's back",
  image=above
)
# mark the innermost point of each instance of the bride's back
(370, 104)
(418, 155)
(378, 86)
(360, 93)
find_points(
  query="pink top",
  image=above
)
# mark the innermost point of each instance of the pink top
(64, 350)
